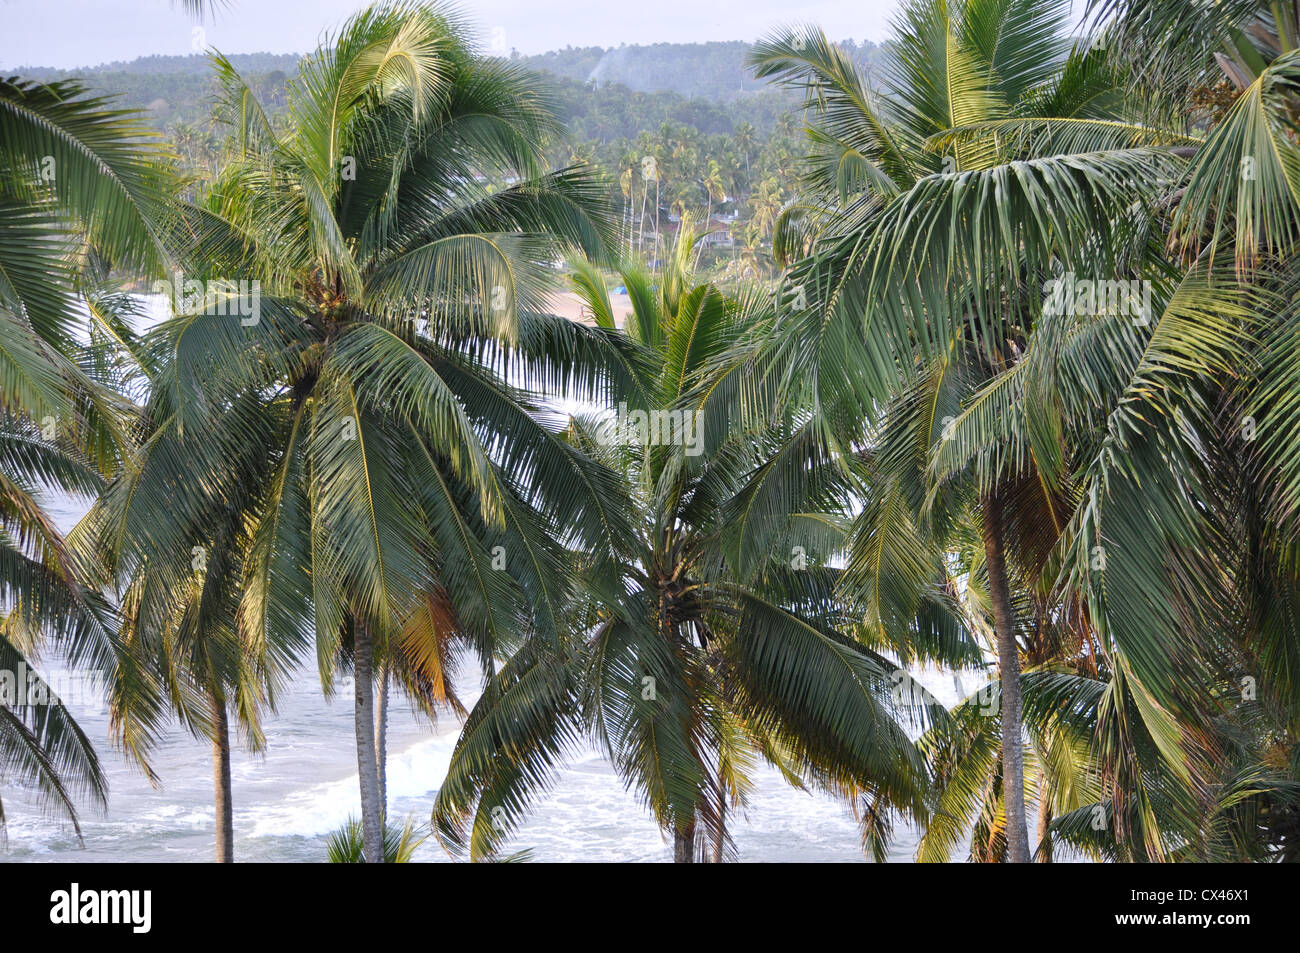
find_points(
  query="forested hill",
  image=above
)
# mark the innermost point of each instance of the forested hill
(711, 71)
(179, 88)
(176, 89)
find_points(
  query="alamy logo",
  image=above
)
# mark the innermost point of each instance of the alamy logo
(76, 906)
(22, 687)
(1070, 295)
(218, 296)
(653, 428)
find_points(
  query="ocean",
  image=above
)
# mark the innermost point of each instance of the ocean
(304, 786)
(289, 799)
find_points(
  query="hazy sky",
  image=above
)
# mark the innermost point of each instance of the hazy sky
(72, 33)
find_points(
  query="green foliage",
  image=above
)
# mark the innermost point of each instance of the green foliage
(400, 843)
(945, 217)
(686, 664)
(83, 186)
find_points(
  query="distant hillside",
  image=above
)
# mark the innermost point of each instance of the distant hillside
(192, 64)
(713, 71)
(678, 82)
(178, 88)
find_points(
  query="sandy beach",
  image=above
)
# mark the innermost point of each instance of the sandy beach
(568, 304)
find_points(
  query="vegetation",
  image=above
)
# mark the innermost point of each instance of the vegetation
(970, 355)
(999, 373)
(686, 659)
(400, 843)
(80, 184)
(687, 106)
(911, 365)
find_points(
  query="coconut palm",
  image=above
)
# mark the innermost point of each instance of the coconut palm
(692, 653)
(1098, 425)
(1230, 223)
(766, 204)
(337, 441)
(400, 843)
(901, 317)
(745, 141)
(1188, 599)
(82, 186)
(629, 206)
(713, 186)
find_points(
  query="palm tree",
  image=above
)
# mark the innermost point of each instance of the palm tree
(692, 652)
(179, 618)
(659, 247)
(714, 189)
(397, 492)
(81, 186)
(925, 318)
(1219, 364)
(640, 232)
(424, 673)
(751, 254)
(767, 205)
(625, 186)
(1098, 424)
(745, 141)
(1188, 603)
(400, 843)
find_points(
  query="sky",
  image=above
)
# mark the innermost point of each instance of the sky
(74, 33)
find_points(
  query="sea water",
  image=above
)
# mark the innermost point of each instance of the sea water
(304, 786)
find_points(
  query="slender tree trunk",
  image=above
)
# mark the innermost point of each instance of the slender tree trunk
(1013, 759)
(684, 844)
(708, 214)
(381, 736)
(657, 254)
(640, 234)
(221, 779)
(1044, 849)
(372, 824)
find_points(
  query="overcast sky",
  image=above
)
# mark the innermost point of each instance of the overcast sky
(73, 33)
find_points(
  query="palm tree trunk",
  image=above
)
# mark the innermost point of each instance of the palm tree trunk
(381, 736)
(224, 804)
(1044, 849)
(1013, 757)
(657, 256)
(372, 824)
(708, 214)
(684, 844)
(640, 235)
